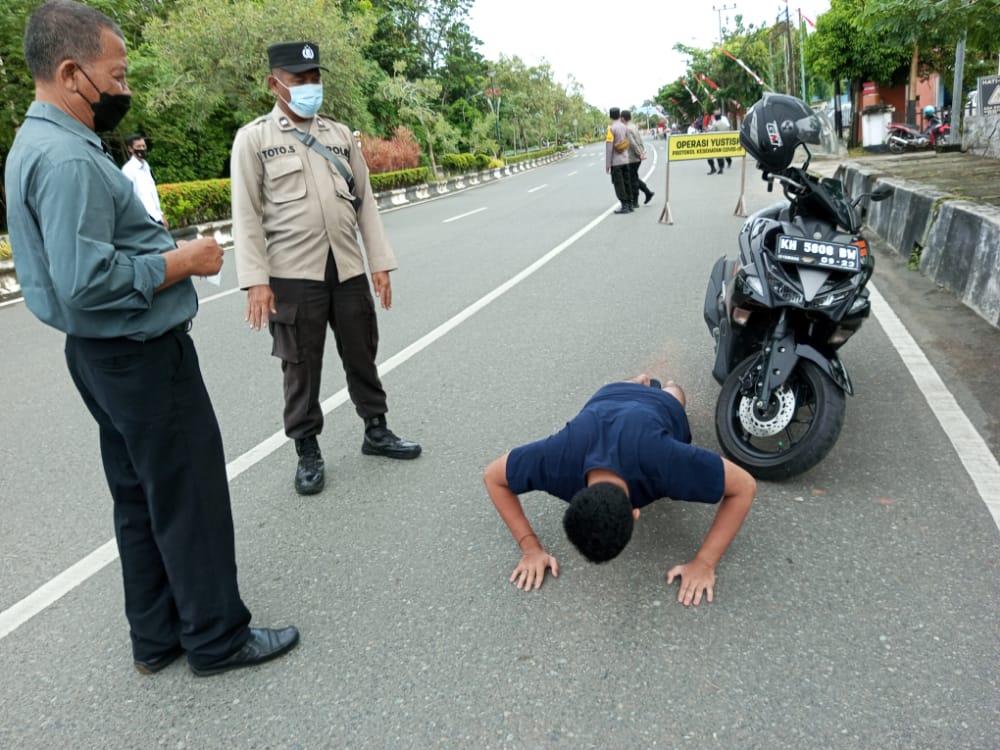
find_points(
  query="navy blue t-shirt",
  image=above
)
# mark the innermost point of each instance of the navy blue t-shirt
(639, 433)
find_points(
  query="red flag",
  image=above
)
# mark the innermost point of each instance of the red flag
(807, 19)
(709, 81)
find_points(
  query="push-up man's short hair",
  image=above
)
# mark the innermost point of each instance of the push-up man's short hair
(599, 521)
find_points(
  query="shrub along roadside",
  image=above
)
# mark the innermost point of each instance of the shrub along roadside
(188, 203)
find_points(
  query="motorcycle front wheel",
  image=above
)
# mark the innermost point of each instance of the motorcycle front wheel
(896, 147)
(793, 434)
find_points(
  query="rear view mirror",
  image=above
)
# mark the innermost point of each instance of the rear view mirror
(881, 193)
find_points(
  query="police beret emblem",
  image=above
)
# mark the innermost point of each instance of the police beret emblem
(307, 53)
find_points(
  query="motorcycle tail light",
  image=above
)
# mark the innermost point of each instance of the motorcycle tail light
(741, 315)
(862, 246)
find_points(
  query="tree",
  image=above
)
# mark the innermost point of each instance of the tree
(844, 47)
(200, 73)
(413, 98)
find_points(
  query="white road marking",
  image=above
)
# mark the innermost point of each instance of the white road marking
(462, 216)
(536, 189)
(972, 450)
(52, 591)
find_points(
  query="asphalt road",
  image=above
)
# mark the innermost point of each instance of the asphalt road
(857, 608)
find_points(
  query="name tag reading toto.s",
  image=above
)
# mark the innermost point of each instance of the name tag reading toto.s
(807, 252)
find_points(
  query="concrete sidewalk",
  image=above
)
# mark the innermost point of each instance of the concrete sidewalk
(944, 217)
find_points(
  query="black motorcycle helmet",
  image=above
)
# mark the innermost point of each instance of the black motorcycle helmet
(775, 126)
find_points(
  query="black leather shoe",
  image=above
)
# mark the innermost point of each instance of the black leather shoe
(649, 196)
(381, 441)
(626, 208)
(263, 645)
(310, 476)
(154, 665)
(712, 172)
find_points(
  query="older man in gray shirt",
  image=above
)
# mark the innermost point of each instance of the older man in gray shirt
(93, 265)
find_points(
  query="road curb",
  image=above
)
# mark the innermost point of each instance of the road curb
(957, 241)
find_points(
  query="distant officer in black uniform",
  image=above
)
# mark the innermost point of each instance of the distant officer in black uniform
(300, 195)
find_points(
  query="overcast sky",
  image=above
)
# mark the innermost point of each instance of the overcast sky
(618, 63)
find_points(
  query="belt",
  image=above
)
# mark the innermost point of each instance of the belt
(182, 327)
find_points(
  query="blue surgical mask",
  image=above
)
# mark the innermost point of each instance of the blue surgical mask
(306, 99)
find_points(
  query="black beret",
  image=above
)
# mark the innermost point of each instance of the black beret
(295, 57)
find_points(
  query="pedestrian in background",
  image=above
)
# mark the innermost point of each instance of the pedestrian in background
(92, 265)
(719, 124)
(301, 195)
(616, 161)
(138, 171)
(636, 155)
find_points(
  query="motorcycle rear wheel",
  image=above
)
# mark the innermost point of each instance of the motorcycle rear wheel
(896, 147)
(802, 433)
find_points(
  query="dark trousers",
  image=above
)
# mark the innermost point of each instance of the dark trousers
(305, 309)
(165, 467)
(637, 184)
(621, 178)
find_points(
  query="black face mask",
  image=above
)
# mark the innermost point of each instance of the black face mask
(109, 109)
(140, 153)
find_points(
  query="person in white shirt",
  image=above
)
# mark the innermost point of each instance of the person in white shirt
(138, 171)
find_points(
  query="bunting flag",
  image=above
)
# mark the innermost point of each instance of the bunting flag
(743, 65)
(709, 81)
(694, 99)
(705, 89)
(803, 17)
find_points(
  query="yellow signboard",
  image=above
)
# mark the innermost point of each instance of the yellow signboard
(704, 146)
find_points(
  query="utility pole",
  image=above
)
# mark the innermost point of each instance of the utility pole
(719, 11)
(722, 106)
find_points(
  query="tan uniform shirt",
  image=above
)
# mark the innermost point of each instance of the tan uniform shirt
(291, 207)
(636, 148)
(617, 133)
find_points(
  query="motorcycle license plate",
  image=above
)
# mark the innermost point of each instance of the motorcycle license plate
(806, 252)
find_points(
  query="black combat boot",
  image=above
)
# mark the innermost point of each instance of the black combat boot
(381, 441)
(310, 476)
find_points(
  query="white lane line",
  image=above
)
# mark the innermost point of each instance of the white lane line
(571, 174)
(50, 592)
(220, 295)
(462, 216)
(536, 189)
(972, 450)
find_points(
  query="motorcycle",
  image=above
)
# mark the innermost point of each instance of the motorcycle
(780, 312)
(902, 137)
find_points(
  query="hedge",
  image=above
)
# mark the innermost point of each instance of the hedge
(188, 203)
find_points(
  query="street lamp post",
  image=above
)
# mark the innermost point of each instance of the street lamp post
(495, 100)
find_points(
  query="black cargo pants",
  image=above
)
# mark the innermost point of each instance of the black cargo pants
(298, 330)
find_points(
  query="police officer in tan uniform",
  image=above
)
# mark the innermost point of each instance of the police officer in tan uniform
(301, 193)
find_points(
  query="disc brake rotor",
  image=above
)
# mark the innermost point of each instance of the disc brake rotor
(779, 415)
